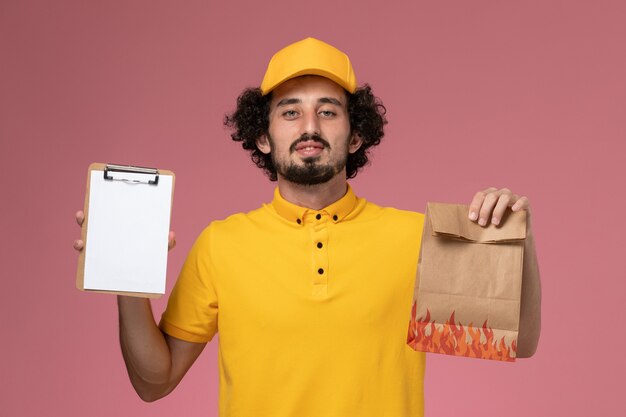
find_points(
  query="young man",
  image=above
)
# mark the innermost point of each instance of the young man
(311, 293)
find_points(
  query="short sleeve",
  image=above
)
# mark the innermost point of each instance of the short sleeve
(192, 308)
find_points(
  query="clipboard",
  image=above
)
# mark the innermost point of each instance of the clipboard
(126, 230)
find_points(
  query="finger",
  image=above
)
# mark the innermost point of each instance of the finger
(522, 203)
(503, 202)
(477, 202)
(171, 244)
(485, 210)
(79, 245)
(80, 217)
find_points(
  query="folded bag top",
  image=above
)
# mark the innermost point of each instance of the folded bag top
(451, 220)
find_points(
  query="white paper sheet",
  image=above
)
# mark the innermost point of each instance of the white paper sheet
(127, 233)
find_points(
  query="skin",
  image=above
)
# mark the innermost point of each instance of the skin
(310, 105)
(156, 362)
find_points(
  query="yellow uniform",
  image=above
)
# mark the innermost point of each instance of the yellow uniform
(312, 309)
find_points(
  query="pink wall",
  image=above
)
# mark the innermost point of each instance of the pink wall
(529, 95)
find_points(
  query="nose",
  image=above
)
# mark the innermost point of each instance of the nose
(310, 123)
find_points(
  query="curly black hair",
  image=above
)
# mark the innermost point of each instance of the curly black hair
(250, 121)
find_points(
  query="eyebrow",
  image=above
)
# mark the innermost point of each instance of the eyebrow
(288, 101)
(329, 100)
(324, 100)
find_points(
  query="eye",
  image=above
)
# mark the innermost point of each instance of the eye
(290, 114)
(327, 113)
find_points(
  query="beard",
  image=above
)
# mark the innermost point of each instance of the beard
(311, 172)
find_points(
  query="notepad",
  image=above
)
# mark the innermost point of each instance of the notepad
(127, 222)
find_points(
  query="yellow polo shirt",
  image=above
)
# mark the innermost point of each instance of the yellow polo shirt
(312, 309)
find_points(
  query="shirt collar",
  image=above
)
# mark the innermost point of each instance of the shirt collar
(336, 212)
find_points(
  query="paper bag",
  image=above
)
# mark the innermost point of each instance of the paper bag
(468, 285)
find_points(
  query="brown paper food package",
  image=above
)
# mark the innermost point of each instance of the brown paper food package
(468, 285)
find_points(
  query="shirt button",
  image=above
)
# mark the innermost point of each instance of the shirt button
(319, 216)
(335, 218)
(320, 271)
(298, 221)
(319, 245)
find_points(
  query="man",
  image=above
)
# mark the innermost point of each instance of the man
(312, 293)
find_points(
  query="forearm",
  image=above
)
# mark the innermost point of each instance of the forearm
(530, 309)
(145, 350)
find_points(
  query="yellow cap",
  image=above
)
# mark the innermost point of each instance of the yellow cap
(309, 57)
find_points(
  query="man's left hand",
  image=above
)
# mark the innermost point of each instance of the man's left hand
(490, 205)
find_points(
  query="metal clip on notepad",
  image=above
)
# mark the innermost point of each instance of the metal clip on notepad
(110, 168)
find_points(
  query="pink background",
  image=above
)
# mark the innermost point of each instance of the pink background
(530, 95)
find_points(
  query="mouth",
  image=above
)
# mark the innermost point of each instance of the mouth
(309, 148)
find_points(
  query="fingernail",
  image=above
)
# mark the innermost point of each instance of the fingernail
(482, 222)
(473, 215)
(495, 220)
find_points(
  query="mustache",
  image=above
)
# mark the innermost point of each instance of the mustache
(306, 137)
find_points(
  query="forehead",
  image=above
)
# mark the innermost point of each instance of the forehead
(308, 87)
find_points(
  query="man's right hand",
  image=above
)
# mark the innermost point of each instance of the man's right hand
(155, 361)
(79, 244)
(80, 218)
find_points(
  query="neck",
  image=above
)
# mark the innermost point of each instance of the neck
(314, 197)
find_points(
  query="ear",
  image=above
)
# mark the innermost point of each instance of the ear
(263, 144)
(356, 140)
